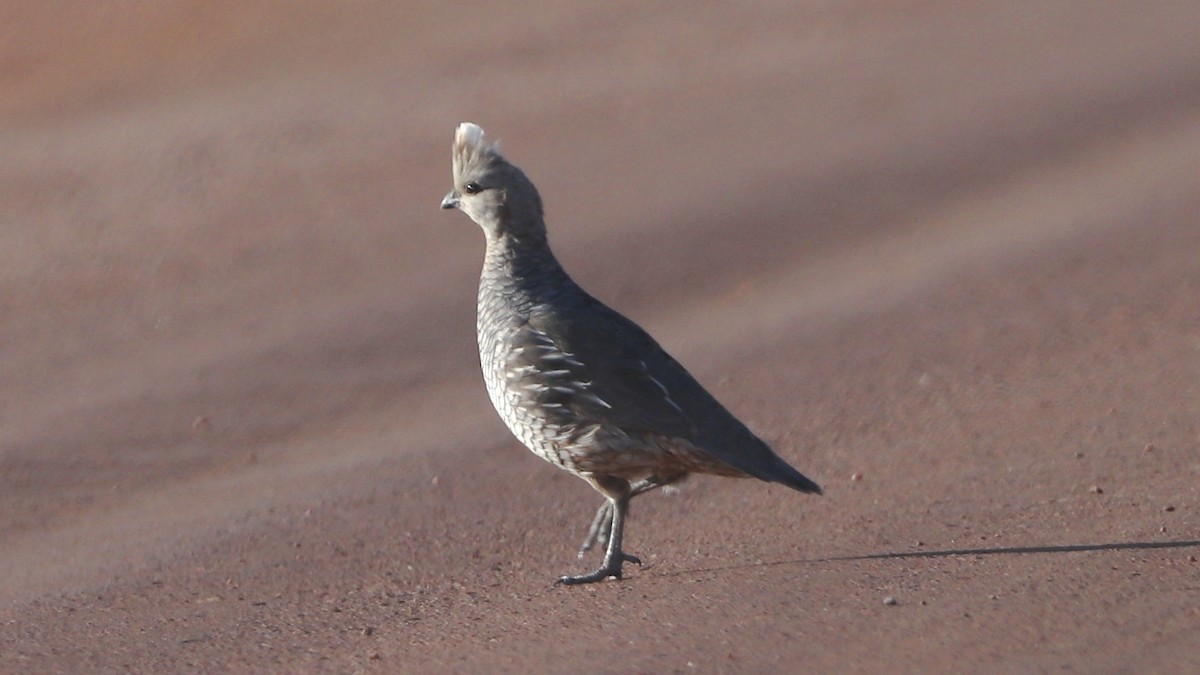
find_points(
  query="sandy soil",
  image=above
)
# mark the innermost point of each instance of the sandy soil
(946, 259)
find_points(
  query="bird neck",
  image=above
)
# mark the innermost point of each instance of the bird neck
(523, 262)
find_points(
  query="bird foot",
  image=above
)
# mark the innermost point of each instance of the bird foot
(610, 570)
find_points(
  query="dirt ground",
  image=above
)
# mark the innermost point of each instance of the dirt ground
(944, 257)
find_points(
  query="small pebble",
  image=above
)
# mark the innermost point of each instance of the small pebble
(1149, 448)
(1096, 490)
(889, 601)
(856, 476)
(1168, 508)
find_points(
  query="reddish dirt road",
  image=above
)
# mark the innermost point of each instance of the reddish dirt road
(953, 253)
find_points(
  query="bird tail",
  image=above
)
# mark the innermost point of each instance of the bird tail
(785, 474)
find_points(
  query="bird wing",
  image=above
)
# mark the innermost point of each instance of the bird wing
(594, 361)
(588, 361)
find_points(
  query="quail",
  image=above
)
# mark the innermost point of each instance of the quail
(579, 384)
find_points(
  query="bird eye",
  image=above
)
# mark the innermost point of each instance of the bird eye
(471, 188)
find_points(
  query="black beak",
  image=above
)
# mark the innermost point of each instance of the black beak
(450, 201)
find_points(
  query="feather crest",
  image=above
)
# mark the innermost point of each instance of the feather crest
(471, 151)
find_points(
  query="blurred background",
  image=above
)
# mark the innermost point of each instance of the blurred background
(226, 286)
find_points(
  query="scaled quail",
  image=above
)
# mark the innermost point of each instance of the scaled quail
(582, 386)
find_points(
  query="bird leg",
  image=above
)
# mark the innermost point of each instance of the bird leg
(598, 531)
(614, 557)
(602, 523)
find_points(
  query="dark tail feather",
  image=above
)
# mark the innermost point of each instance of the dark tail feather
(759, 460)
(792, 478)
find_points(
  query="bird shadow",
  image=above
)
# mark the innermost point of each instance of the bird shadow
(1021, 550)
(955, 552)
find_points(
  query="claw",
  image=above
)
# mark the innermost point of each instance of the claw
(592, 577)
(610, 570)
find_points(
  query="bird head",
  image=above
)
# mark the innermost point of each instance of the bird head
(493, 192)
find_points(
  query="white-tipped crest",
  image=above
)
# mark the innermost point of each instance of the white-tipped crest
(470, 148)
